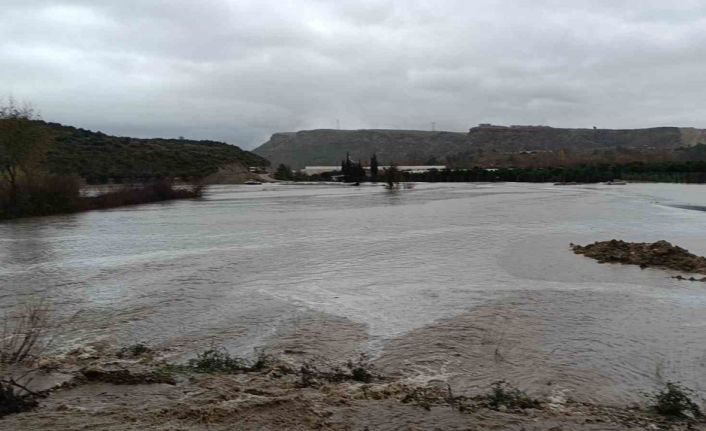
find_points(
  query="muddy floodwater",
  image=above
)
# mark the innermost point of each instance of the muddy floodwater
(466, 283)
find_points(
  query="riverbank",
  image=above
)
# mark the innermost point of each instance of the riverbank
(137, 388)
(64, 196)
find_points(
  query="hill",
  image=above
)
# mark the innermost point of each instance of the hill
(327, 147)
(98, 157)
(482, 145)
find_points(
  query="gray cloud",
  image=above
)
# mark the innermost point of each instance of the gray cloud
(241, 70)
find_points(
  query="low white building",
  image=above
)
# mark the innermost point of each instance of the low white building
(416, 169)
(312, 170)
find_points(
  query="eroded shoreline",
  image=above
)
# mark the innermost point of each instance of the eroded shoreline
(437, 377)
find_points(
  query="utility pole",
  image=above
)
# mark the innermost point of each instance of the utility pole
(433, 126)
(338, 124)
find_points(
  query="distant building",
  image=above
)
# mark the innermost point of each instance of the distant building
(313, 170)
(488, 126)
(417, 169)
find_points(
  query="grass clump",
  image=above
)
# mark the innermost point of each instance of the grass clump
(219, 360)
(133, 351)
(675, 401)
(426, 397)
(505, 396)
(359, 370)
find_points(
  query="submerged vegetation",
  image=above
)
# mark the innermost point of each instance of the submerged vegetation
(133, 351)
(13, 401)
(219, 385)
(360, 370)
(219, 360)
(505, 396)
(676, 401)
(62, 195)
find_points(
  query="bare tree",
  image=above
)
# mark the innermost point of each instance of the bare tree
(23, 334)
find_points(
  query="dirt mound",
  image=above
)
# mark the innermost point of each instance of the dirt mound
(660, 254)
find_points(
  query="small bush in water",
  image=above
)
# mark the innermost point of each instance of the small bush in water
(675, 401)
(503, 394)
(133, 351)
(217, 360)
(11, 401)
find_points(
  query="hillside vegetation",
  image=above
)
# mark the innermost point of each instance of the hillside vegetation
(98, 157)
(41, 166)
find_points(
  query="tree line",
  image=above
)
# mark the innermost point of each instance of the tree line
(690, 171)
(668, 171)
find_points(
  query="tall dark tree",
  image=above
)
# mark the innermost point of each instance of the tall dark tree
(283, 172)
(392, 177)
(348, 165)
(374, 167)
(359, 172)
(352, 172)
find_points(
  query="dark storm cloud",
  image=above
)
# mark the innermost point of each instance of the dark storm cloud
(241, 70)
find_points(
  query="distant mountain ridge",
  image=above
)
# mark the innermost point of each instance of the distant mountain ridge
(327, 147)
(98, 157)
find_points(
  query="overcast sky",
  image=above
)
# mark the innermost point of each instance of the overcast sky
(239, 71)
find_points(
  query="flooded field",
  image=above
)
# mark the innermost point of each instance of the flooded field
(466, 283)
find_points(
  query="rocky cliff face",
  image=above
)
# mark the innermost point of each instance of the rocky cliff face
(328, 147)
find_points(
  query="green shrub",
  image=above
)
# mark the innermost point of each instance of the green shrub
(262, 362)
(361, 370)
(133, 351)
(217, 360)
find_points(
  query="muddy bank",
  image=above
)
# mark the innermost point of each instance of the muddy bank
(96, 388)
(660, 254)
